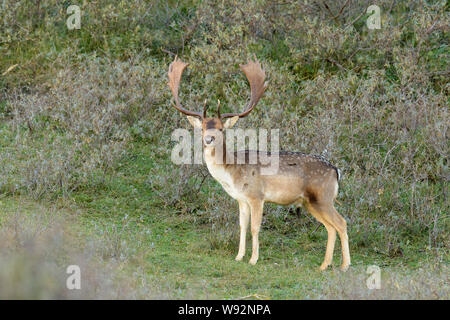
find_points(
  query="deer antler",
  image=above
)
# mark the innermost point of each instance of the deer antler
(176, 69)
(255, 76)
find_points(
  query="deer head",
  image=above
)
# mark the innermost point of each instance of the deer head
(212, 128)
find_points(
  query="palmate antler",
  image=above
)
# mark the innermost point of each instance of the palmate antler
(176, 69)
(256, 76)
(253, 71)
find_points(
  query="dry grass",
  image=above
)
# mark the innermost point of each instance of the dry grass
(38, 243)
(427, 282)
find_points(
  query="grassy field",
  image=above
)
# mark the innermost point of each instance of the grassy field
(129, 248)
(85, 142)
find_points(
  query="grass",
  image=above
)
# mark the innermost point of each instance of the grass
(175, 252)
(85, 125)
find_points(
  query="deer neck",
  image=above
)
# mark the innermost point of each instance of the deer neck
(222, 172)
(215, 161)
(218, 169)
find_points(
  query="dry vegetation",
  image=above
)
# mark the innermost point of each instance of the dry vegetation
(80, 106)
(37, 244)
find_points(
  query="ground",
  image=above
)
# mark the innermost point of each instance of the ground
(129, 248)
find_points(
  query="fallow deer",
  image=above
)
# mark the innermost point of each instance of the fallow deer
(301, 180)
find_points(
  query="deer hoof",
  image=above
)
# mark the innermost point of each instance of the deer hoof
(344, 267)
(323, 266)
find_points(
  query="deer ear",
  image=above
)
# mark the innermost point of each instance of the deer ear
(230, 122)
(196, 123)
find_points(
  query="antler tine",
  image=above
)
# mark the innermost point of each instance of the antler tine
(176, 69)
(205, 108)
(218, 109)
(255, 76)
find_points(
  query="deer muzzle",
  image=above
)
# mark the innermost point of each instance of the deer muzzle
(209, 139)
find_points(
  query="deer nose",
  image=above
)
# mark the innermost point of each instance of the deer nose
(209, 139)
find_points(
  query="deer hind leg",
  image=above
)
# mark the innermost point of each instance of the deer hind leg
(319, 214)
(244, 217)
(340, 225)
(330, 246)
(330, 215)
(256, 208)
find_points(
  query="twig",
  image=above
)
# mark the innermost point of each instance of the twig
(201, 183)
(255, 295)
(351, 23)
(355, 52)
(342, 9)
(334, 17)
(328, 8)
(315, 229)
(438, 73)
(336, 63)
(167, 51)
(11, 68)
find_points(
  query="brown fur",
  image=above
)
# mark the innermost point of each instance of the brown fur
(302, 180)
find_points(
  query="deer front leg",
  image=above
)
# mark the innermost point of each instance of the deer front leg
(244, 217)
(256, 208)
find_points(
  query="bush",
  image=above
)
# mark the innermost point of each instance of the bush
(81, 125)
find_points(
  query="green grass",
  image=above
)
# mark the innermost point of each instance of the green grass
(175, 247)
(175, 250)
